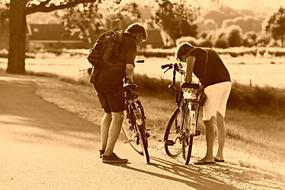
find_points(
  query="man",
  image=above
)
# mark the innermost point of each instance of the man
(108, 82)
(215, 78)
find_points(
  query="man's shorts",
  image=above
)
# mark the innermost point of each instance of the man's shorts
(217, 97)
(111, 97)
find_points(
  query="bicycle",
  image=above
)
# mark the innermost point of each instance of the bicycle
(182, 126)
(134, 122)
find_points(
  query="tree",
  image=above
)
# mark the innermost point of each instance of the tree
(275, 25)
(83, 19)
(176, 19)
(221, 13)
(234, 35)
(250, 39)
(246, 23)
(88, 20)
(18, 9)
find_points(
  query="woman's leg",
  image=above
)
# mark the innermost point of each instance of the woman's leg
(210, 137)
(221, 136)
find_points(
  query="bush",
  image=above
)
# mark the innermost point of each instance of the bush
(234, 36)
(266, 100)
(263, 100)
(154, 86)
(205, 43)
(221, 43)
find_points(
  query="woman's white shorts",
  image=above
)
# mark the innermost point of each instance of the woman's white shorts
(217, 97)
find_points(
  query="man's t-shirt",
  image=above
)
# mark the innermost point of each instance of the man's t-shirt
(113, 72)
(212, 72)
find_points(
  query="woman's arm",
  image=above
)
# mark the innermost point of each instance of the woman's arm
(190, 62)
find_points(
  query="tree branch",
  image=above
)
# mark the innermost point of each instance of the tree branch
(43, 8)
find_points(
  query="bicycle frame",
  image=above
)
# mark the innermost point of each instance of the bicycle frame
(188, 106)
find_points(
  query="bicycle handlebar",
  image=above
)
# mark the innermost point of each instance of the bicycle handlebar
(140, 61)
(177, 67)
(167, 65)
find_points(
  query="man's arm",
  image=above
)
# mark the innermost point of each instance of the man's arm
(130, 72)
(190, 62)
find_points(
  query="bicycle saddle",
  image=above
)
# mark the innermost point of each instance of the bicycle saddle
(190, 85)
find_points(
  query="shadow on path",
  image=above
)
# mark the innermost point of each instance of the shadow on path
(25, 117)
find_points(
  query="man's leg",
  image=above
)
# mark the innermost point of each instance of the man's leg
(210, 137)
(221, 136)
(114, 131)
(105, 125)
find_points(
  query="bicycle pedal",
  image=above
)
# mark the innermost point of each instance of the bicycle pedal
(169, 142)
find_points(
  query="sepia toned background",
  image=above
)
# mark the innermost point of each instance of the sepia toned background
(50, 115)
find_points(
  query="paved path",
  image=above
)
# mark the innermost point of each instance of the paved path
(45, 147)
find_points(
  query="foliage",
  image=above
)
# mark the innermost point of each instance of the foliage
(250, 39)
(267, 100)
(82, 19)
(220, 14)
(275, 25)
(189, 39)
(246, 23)
(205, 42)
(122, 17)
(206, 25)
(88, 19)
(234, 36)
(220, 40)
(264, 100)
(262, 40)
(18, 11)
(176, 19)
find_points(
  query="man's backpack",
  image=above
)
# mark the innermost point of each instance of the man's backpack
(105, 49)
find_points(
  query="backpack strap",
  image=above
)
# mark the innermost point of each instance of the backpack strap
(206, 63)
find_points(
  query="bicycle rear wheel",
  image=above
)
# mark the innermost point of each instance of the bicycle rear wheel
(135, 130)
(172, 135)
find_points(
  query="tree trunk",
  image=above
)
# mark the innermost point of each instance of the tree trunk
(17, 27)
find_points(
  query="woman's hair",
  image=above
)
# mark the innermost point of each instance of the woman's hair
(182, 50)
(137, 28)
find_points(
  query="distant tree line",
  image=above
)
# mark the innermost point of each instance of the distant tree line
(179, 19)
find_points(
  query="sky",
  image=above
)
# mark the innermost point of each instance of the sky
(238, 4)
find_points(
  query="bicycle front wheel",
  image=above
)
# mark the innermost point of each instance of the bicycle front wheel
(135, 131)
(172, 135)
(131, 133)
(187, 141)
(144, 142)
(140, 123)
(187, 148)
